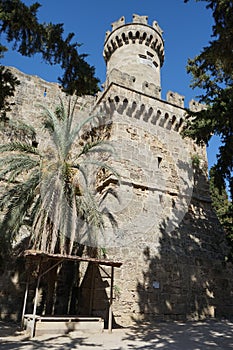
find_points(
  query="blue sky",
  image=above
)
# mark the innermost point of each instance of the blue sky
(186, 27)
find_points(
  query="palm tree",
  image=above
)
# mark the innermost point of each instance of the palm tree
(50, 189)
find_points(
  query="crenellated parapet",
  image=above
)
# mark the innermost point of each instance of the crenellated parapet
(128, 80)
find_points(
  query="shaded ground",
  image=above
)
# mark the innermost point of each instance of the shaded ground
(206, 335)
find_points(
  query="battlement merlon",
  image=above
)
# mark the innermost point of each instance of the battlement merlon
(175, 98)
(120, 22)
(178, 100)
(140, 19)
(157, 27)
(196, 106)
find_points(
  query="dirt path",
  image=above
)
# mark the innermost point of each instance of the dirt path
(208, 335)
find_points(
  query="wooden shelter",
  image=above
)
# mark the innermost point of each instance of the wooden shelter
(38, 258)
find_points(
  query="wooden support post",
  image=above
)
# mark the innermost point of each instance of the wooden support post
(110, 301)
(35, 301)
(34, 308)
(92, 289)
(25, 302)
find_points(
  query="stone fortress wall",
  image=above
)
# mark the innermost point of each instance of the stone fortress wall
(167, 236)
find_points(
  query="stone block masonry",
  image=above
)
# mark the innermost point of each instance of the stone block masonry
(167, 236)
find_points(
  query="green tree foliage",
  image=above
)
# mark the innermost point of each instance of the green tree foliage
(49, 189)
(220, 201)
(8, 82)
(222, 206)
(21, 28)
(212, 71)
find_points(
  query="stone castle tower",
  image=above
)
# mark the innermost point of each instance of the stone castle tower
(134, 45)
(166, 234)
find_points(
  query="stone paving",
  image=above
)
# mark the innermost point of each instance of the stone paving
(206, 335)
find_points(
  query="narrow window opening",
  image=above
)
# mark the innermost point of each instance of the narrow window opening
(114, 46)
(142, 56)
(161, 199)
(159, 161)
(125, 103)
(173, 119)
(125, 38)
(118, 40)
(149, 54)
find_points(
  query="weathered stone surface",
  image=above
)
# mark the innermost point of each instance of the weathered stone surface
(167, 236)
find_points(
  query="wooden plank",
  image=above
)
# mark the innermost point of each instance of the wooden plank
(110, 301)
(25, 302)
(40, 254)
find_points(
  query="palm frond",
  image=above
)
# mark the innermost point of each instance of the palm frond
(77, 128)
(102, 165)
(54, 127)
(56, 195)
(88, 210)
(19, 130)
(14, 165)
(17, 202)
(19, 146)
(98, 146)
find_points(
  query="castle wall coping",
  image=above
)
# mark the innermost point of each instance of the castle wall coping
(104, 93)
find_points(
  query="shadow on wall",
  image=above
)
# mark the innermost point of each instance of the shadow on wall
(62, 292)
(189, 278)
(95, 293)
(11, 291)
(12, 283)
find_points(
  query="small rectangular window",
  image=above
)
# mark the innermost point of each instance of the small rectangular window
(149, 54)
(159, 161)
(142, 56)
